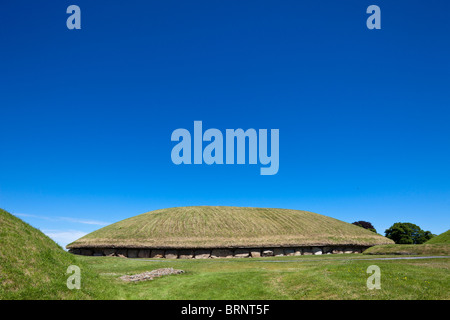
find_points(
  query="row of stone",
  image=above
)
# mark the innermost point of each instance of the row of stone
(215, 253)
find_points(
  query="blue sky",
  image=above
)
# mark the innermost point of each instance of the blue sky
(86, 115)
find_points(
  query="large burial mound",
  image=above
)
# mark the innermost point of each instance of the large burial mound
(206, 231)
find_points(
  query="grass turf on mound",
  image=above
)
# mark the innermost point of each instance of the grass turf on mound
(32, 266)
(438, 249)
(442, 238)
(218, 227)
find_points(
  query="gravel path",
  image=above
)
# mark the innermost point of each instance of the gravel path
(305, 259)
(364, 259)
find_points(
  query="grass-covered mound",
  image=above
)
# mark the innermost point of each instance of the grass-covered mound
(442, 238)
(220, 227)
(437, 249)
(32, 266)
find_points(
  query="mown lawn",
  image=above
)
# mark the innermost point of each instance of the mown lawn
(304, 277)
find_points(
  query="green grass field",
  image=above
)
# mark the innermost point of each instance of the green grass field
(287, 278)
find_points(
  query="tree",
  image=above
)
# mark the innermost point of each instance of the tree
(365, 225)
(407, 233)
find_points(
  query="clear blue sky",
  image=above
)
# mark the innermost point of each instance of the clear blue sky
(86, 115)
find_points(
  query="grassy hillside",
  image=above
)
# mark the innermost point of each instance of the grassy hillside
(32, 266)
(436, 249)
(442, 238)
(205, 226)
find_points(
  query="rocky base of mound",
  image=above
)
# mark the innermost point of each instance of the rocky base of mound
(216, 253)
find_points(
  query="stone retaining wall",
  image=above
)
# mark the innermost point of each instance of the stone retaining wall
(217, 253)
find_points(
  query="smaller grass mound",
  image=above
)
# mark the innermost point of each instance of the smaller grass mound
(32, 266)
(442, 238)
(438, 249)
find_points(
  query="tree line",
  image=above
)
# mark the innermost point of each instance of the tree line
(401, 232)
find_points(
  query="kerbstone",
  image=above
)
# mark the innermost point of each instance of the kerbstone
(144, 253)
(157, 254)
(289, 252)
(241, 253)
(171, 254)
(202, 254)
(267, 253)
(221, 253)
(86, 252)
(133, 253)
(186, 254)
(278, 252)
(122, 253)
(255, 253)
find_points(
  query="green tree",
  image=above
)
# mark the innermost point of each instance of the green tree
(365, 225)
(407, 233)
